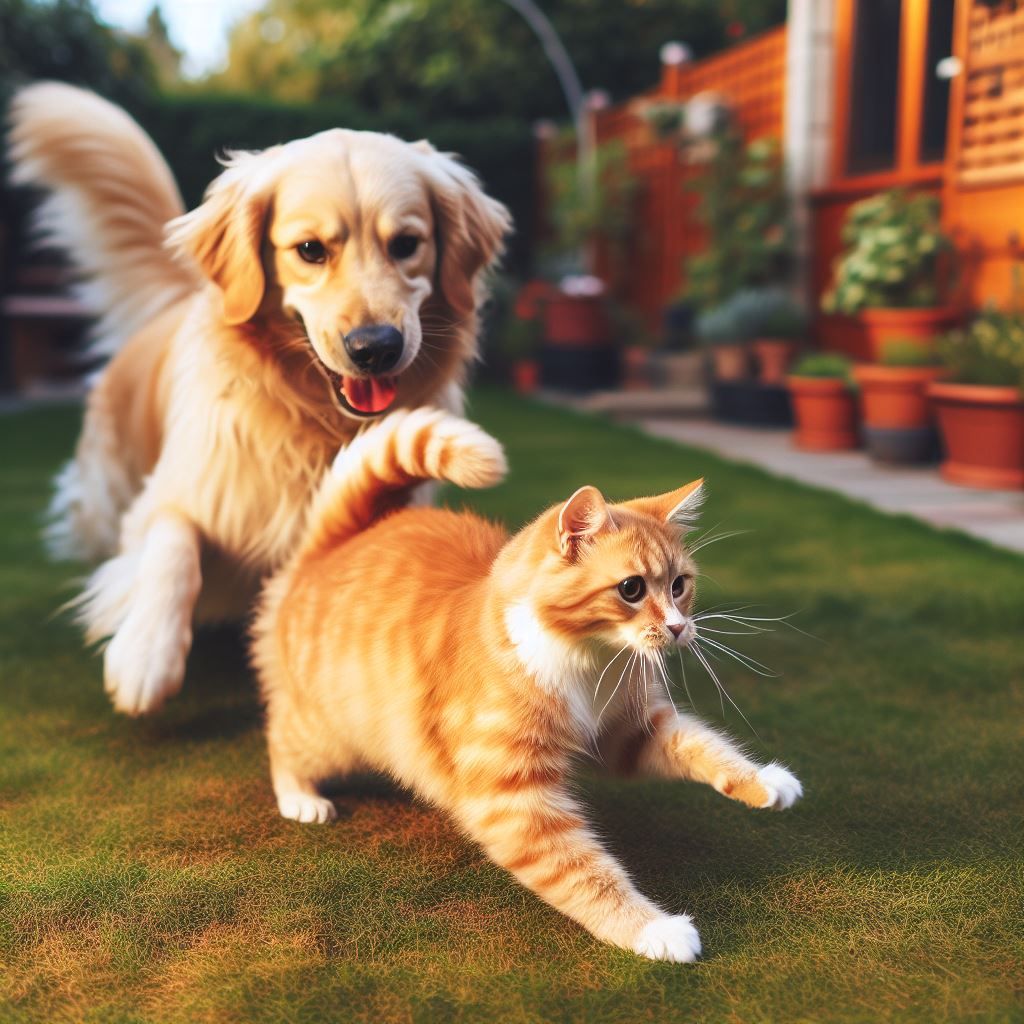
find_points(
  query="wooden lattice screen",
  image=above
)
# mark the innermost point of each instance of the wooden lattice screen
(752, 78)
(992, 134)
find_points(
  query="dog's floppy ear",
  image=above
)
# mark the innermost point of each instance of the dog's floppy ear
(471, 227)
(224, 235)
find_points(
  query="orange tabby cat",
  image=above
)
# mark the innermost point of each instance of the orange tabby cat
(468, 665)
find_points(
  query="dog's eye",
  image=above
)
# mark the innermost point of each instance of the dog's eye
(632, 589)
(679, 586)
(312, 251)
(401, 247)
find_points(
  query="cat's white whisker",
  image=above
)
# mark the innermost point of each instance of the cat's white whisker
(744, 659)
(718, 682)
(686, 686)
(611, 696)
(608, 666)
(709, 539)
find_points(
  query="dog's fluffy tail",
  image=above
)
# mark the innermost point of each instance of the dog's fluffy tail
(375, 472)
(111, 195)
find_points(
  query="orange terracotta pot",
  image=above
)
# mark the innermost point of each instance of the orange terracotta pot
(525, 375)
(577, 320)
(773, 359)
(983, 431)
(730, 362)
(918, 326)
(896, 396)
(826, 413)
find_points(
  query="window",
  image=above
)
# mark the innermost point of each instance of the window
(891, 108)
(935, 109)
(874, 85)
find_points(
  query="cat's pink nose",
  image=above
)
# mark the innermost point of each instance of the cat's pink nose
(675, 629)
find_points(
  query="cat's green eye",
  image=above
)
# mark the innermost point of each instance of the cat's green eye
(679, 586)
(632, 589)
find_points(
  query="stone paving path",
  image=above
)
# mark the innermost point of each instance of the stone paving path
(993, 516)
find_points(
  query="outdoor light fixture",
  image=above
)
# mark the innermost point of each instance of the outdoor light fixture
(675, 54)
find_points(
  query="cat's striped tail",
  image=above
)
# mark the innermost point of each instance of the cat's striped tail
(375, 473)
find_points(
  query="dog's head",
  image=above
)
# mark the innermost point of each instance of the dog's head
(373, 245)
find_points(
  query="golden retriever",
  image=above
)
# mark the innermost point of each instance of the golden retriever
(320, 283)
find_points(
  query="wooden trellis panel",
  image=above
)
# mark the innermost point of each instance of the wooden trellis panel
(992, 131)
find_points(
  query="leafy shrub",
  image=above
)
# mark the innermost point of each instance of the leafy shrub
(907, 354)
(718, 326)
(894, 255)
(988, 351)
(769, 313)
(824, 365)
(746, 213)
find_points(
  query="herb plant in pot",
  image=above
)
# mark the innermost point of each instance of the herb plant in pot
(898, 421)
(980, 406)
(776, 324)
(895, 273)
(824, 403)
(720, 332)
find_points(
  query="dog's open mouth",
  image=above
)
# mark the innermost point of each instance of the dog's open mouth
(366, 396)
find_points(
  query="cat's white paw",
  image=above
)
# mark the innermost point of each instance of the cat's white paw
(306, 808)
(782, 786)
(669, 938)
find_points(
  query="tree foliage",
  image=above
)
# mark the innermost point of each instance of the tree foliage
(468, 57)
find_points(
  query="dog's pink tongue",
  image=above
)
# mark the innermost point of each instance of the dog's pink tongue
(370, 395)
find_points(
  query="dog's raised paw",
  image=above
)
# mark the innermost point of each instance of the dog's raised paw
(306, 807)
(669, 938)
(141, 671)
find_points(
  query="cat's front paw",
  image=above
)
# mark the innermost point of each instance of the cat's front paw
(782, 787)
(669, 938)
(306, 808)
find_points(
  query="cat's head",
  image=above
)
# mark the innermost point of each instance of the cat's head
(617, 573)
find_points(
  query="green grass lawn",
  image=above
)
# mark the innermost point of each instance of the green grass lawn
(146, 876)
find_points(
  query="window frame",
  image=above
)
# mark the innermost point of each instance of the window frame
(908, 168)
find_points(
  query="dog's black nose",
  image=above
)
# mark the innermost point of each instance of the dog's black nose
(375, 349)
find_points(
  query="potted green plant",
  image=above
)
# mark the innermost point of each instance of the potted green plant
(896, 271)
(745, 212)
(898, 421)
(591, 208)
(719, 331)
(519, 343)
(980, 406)
(824, 403)
(776, 324)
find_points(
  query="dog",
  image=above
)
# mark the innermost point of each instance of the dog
(320, 283)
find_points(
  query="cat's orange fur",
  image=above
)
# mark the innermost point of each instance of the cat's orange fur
(429, 645)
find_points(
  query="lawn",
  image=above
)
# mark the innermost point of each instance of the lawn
(146, 876)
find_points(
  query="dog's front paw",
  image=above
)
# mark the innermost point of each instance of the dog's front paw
(782, 787)
(306, 807)
(669, 938)
(143, 667)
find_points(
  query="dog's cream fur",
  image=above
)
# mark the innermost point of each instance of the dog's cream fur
(209, 428)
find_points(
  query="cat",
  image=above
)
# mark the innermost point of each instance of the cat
(473, 667)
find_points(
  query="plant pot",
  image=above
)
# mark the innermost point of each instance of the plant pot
(826, 413)
(915, 326)
(983, 432)
(729, 361)
(898, 421)
(636, 368)
(576, 320)
(773, 359)
(525, 375)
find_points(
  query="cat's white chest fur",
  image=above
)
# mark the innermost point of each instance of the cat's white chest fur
(557, 667)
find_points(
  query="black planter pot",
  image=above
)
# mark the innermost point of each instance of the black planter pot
(902, 444)
(751, 403)
(580, 367)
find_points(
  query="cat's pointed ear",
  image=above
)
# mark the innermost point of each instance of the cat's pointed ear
(682, 506)
(582, 517)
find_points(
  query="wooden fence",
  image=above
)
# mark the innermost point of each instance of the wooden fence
(751, 78)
